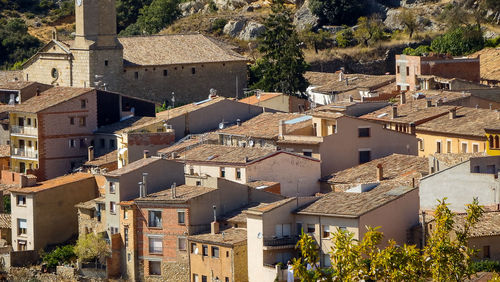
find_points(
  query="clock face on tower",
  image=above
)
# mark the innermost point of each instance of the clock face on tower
(79, 2)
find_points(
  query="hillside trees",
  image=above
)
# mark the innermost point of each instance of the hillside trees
(409, 20)
(16, 44)
(337, 12)
(369, 30)
(127, 12)
(446, 257)
(282, 66)
(154, 17)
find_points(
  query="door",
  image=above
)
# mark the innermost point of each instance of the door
(22, 167)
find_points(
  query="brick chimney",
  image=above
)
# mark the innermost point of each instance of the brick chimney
(394, 112)
(351, 99)
(380, 172)
(214, 225)
(453, 113)
(429, 103)
(413, 128)
(146, 154)
(91, 153)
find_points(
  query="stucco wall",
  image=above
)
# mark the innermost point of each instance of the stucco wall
(430, 141)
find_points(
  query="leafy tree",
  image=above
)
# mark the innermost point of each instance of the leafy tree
(317, 40)
(60, 255)
(154, 17)
(337, 12)
(16, 44)
(409, 20)
(370, 30)
(345, 38)
(127, 12)
(92, 247)
(459, 41)
(282, 66)
(445, 258)
(419, 51)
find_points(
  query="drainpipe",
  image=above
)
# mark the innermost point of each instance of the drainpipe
(321, 262)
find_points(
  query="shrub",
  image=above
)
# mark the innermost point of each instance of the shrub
(493, 42)
(419, 51)
(486, 266)
(459, 41)
(60, 255)
(218, 25)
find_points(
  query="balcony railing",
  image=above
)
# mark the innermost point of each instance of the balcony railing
(282, 241)
(25, 130)
(19, 152)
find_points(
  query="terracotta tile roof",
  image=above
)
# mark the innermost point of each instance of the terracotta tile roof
(54, 183)
(125, 125)
(208, 153)
(15, 85)
(4, 151)
(261, 183)
(174, 49)
(329, 82)
(468, 121)
(104, 159)
(184, 193)
(9, 76)
(90, 205)
(132, 166)
(188, 108)
(326, 114)
(395, 167)
(488, 224)
(252, 100)
(451, 159)
(490, 63)
(5, 221)
(50, 97)
(266, 207)
(187, 144)
(340, 106)
(345, 204)
(226, 237)
(266, 125)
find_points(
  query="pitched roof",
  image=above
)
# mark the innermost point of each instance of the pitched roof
(50, 98)
(188, 108)
(54, 183)
(132, 166)
(227, 237)
(451, 159)
(183, 194)
(253, 100)
(175, 49)
(346, 204)
(9, 76)
(91, 204)
(394, 167)
(490, 63)
(488, 224)
(208, 153)
(266, 125)
(267, 207)
(16, 85)
(125, 125)
(329, 82)
(5, 220)
(104, 159)
(468, 121)
(189, 143)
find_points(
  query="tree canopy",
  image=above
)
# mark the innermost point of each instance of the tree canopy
(282, 66)
(16, 44)
(337, 12)
(91, 247)
(153, 17)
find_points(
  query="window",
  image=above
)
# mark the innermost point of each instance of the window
(475, 148)
(155, 245)
(125, 214)
(490, 169)
(307, 153)
(299, 228)
(193, 70)
(154, 267)
(438, 147)
(226, 279)
(398, 70)
(364, 156)
(136, 75)
(311, 228)
(203, 278)
(364, 132)
(165, 72)
(71, 143)
(21, 245)
(111, 143)
(83, 103)
(181, 243)
(83, 121)
(106, 62)
(215, 252)
(125, 236)
(112, 188)
(194, 248)
(486, 251)
(154, 219)
(407, 70)
(22, 226)
(129, 257)
(21, 200)
(181, 217)
(238, 173)
(198, 183)
(464, 147)
(282, 230)
(222, 172)
(195, 278)
(28, 122)
(82, 143)
(204, 250)
(420, 144)
(448, 146)
(326, 231)
(112, 207)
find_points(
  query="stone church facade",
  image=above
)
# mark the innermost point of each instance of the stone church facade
(150, 67)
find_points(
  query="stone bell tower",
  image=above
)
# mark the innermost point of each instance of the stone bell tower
(97, 53)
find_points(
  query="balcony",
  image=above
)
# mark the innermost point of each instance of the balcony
(280, 243)
(24, 130)
(26, 154)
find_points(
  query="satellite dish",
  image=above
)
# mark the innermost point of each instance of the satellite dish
(221, 125)
(251, 143)
(17, 98)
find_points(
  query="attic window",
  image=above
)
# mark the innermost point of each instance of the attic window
(106, 62)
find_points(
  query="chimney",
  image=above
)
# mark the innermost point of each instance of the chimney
(453, 113)
(413, 128)
(38, 91)
(439, 102)
(238, 122)
(351, 99)
(429, 103)
(145, 183)
(214, 226)
(172, 188)
(91, 153)
(347, 81)
(282, 128)
(141, 190)
(491, 106)
(380, 172)
(402, 99)
(146, 154)
(394, 112)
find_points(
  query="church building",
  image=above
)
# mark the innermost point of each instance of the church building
(155, 67)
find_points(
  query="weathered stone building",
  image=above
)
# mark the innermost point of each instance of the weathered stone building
(151, 67)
